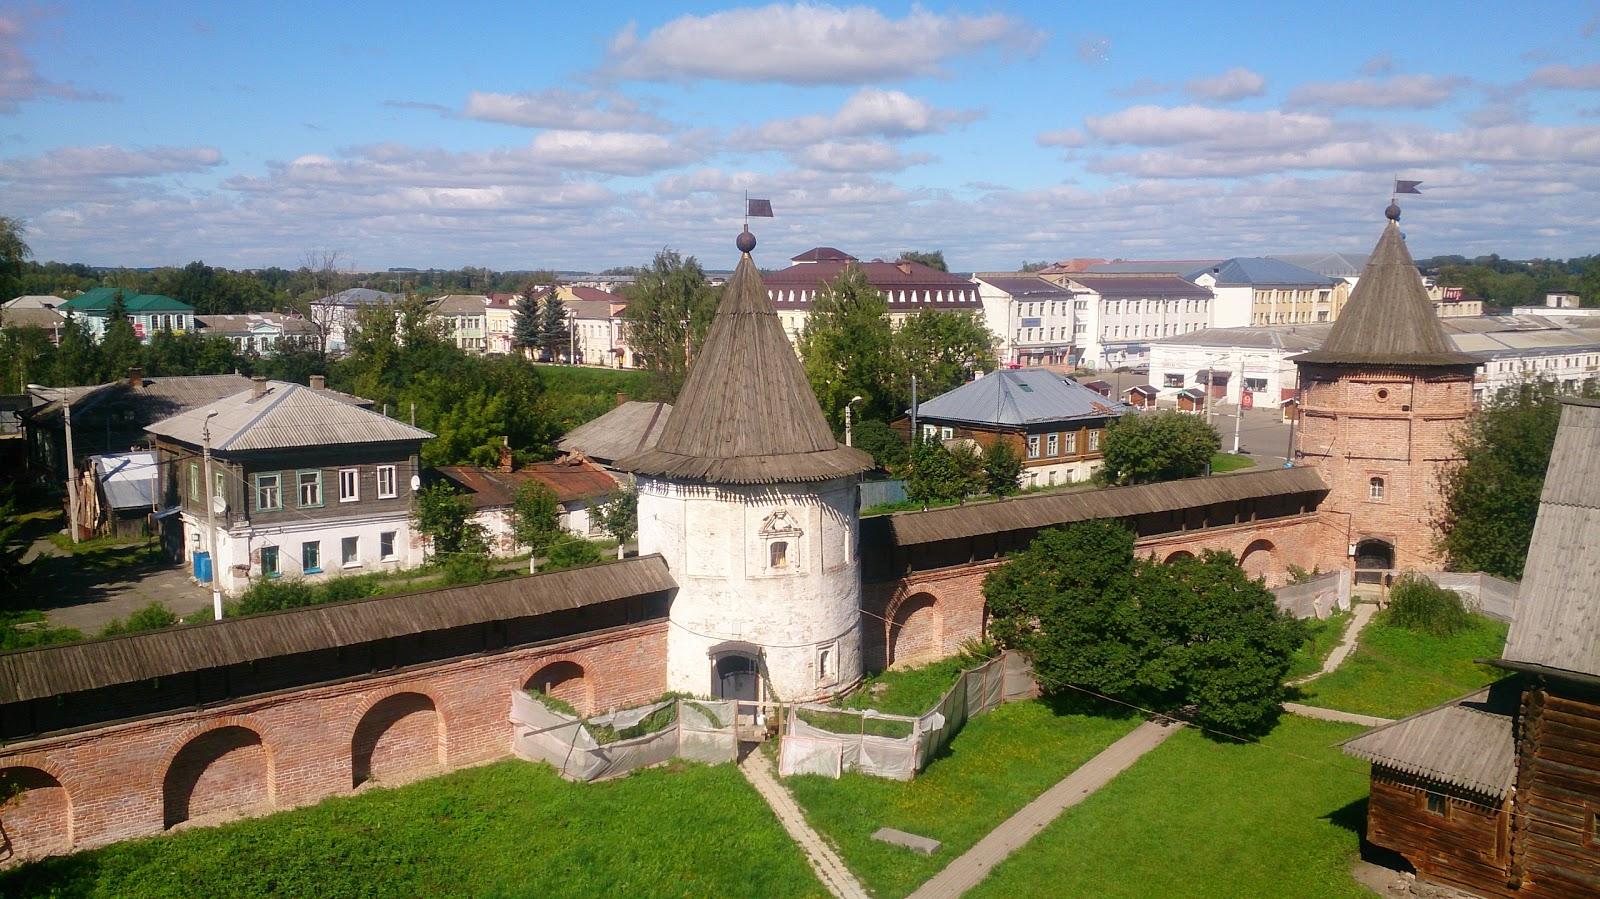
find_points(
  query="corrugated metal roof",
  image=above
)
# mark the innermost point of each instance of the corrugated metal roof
(1557, 620)
(1150, 266)
(459, 304)
(1465, 743)
(75, 667)
(1052, 509)
(127, 479)
(1334, 265)
(1140, 286)
(1024, 286)
(283, 416)
(569, 481)
(99, 299)
(357, 296)
(1019, 397)
(1260, 271)
(630, 428)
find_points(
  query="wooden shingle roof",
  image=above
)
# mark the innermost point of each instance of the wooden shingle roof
(75, 667)
(1465, 743)
(746, 414)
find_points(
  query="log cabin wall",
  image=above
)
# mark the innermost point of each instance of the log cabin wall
(1458, 838)
(1556, 844)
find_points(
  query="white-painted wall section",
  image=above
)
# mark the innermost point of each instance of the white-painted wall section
(771, 566)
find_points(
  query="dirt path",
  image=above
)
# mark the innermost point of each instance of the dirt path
(830, 869)
(1347, 645)
(975, 864)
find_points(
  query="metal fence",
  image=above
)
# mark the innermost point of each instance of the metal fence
(876, 493)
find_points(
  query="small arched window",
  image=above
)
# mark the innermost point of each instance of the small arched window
(1375, 488)
(779, 554)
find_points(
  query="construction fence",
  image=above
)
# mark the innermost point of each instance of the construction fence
(821, 739)
(700, 730)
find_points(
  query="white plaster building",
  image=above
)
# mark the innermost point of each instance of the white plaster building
(597, 327)
(1032, 317)
(1116, 316)
(755, 508)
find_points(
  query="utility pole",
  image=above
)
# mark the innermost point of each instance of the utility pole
(72, 474)
(211, 517)
(914, 437)
(848, 438)
(413, 413)
(1238, 418)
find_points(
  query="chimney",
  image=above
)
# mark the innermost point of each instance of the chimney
(622, 398)
(318, 382)
(258, 387)
(136, 377)
(506, 464)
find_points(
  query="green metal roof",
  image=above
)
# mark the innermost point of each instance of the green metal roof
(100, 298)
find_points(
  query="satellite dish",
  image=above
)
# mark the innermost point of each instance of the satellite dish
(219, 504)
(416, 483)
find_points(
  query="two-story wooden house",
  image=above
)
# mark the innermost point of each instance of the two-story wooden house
(1054, 424)
(300, 485)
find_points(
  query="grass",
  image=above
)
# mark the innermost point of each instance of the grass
(1196, 817)
(103, 554)
(1221, 463)
(853, 723)
(1395, 672)
(998, 763)
(1322, 635)
(909, 691)
(507, 829)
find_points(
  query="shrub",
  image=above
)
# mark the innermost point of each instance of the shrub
(570, 553)
(554, 704)
(467, 568)
(277, 593)
(342, 588)
(1418, 604)
(152, 617)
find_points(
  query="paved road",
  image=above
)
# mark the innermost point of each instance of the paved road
(72, 594)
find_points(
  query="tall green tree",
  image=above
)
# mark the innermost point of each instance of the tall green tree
(555, 331)
(77, 360)
(846, 348)
(932, 259)
(619, 517)
(535, 516)
(1491, 498)
(1002, 469)
(525, 333)
(938, 474)
(1146, 447)
(445, 517)
(26, 357)
(1194, 634)
(670, 309)
(943, 349)
(14, 254)
(120, 348)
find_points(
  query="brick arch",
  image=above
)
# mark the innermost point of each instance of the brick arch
(1178, 556)
(915, 629)
(564, 679)
(1260, 560)
(401, 736)
(222, 770)
(37, 821)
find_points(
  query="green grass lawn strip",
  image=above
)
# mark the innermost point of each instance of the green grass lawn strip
(854, 723)
(1395, 672)
(512, 828)
(1222, 463)
(910, 691)
(1200, 818)
(999, 762)
(1322, 635)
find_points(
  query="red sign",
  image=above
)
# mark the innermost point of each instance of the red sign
(1247, 400)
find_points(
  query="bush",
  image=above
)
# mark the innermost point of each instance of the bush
(344, 588)
(570, 553)
(152, 617)
(467, 568)
(1418, 604)
(277, 593)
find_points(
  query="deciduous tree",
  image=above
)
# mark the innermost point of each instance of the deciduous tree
(670, 309)
(1146, 447)
(1002, 469)
(933, 259)
(619, 517)
(535, 516)
(846, 348)
(445, 517)
(943, 349)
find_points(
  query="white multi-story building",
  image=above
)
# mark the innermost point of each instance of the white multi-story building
(1031, 316)
(756, 514)
(335, 315)
(500, 322)
(1267, 291)
(598, 331)
(464, 319)
(1116, 316)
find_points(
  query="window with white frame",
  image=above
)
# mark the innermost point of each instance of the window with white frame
(194, 480)
(386, 482)
(350, 551)
(349, 485)
(386, 546)
(1094, 441)
(269, 492)
(309, 485)
(1053, 445)
(1375, 488)
(1033, 446)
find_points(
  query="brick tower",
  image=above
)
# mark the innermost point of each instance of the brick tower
(1381, 403)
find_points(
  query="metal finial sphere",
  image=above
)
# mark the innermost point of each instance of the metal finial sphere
(745, 241)
(1393, 212)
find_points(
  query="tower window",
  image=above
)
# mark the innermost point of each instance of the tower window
(1436, 804)
(1375, 488)
(778, 554)
(1383, 394)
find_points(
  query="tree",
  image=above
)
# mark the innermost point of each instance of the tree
(555, 332)
(846, 346)
(1002, 468)
(77, 359)
(525, 335)
(1033, 266)
(26, 356)
(120, 349)
(535, 516)
(619, 517)
(445, 517)
(670, 309)
(1146, 447)
(887, 447)
(570, 552)
(1492, 497)
(938, 474)
(1192, 633)
(14, 253)
(321, 272)
(933, 259)
(942, 349)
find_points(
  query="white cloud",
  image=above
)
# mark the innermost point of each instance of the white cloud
(1234, 84)
(1397, 92)
(857, 156)
(804, 43)
(1066, 137)
(616, 152)
(1565, 77)
(20, 81)
(107, 161)
(566, 109)
(869, 112)
(1220, 128)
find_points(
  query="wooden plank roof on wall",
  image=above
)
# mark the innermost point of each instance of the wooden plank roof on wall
(1464, 743)
(1048, 510)
(74, 667)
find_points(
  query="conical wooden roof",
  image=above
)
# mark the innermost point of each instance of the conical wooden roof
(746, 414)
(1389, 319)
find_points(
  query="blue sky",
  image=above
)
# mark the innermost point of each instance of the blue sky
(588, 135)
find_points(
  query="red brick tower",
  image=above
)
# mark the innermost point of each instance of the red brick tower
(1381, 403)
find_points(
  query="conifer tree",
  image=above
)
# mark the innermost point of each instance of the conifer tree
(554, 329)
(525, 336)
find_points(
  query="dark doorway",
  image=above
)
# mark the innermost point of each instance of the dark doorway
(737, 678)
(1374, 558)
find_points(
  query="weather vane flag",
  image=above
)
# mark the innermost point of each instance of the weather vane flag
(1407, 187)
(757, 208)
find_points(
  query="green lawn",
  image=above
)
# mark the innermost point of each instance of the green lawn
(508, 829)
(1200, 818)
(1322, 635)
(909, 691)
(1226, 462)
(104, 554)
(997, 764)
(1395, 672)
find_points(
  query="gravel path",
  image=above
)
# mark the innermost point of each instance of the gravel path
(830, 869)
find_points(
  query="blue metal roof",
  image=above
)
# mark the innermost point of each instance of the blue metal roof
(1262, 271)
(1018, 398)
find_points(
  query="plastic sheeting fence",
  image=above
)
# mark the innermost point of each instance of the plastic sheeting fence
(810, 749)
(703, 732)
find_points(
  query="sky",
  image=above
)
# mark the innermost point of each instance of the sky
(565, 135)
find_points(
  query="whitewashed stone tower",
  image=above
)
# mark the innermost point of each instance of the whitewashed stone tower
(755, 508)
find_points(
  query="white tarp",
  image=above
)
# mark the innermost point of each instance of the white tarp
(540, 733)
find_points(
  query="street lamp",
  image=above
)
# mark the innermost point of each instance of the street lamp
(848, 436)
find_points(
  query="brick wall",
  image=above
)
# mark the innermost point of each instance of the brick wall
(928, 615)
(110, 783)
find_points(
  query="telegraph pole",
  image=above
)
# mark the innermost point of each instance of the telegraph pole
(72, 474)
(1238, 418)
(211, 517)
